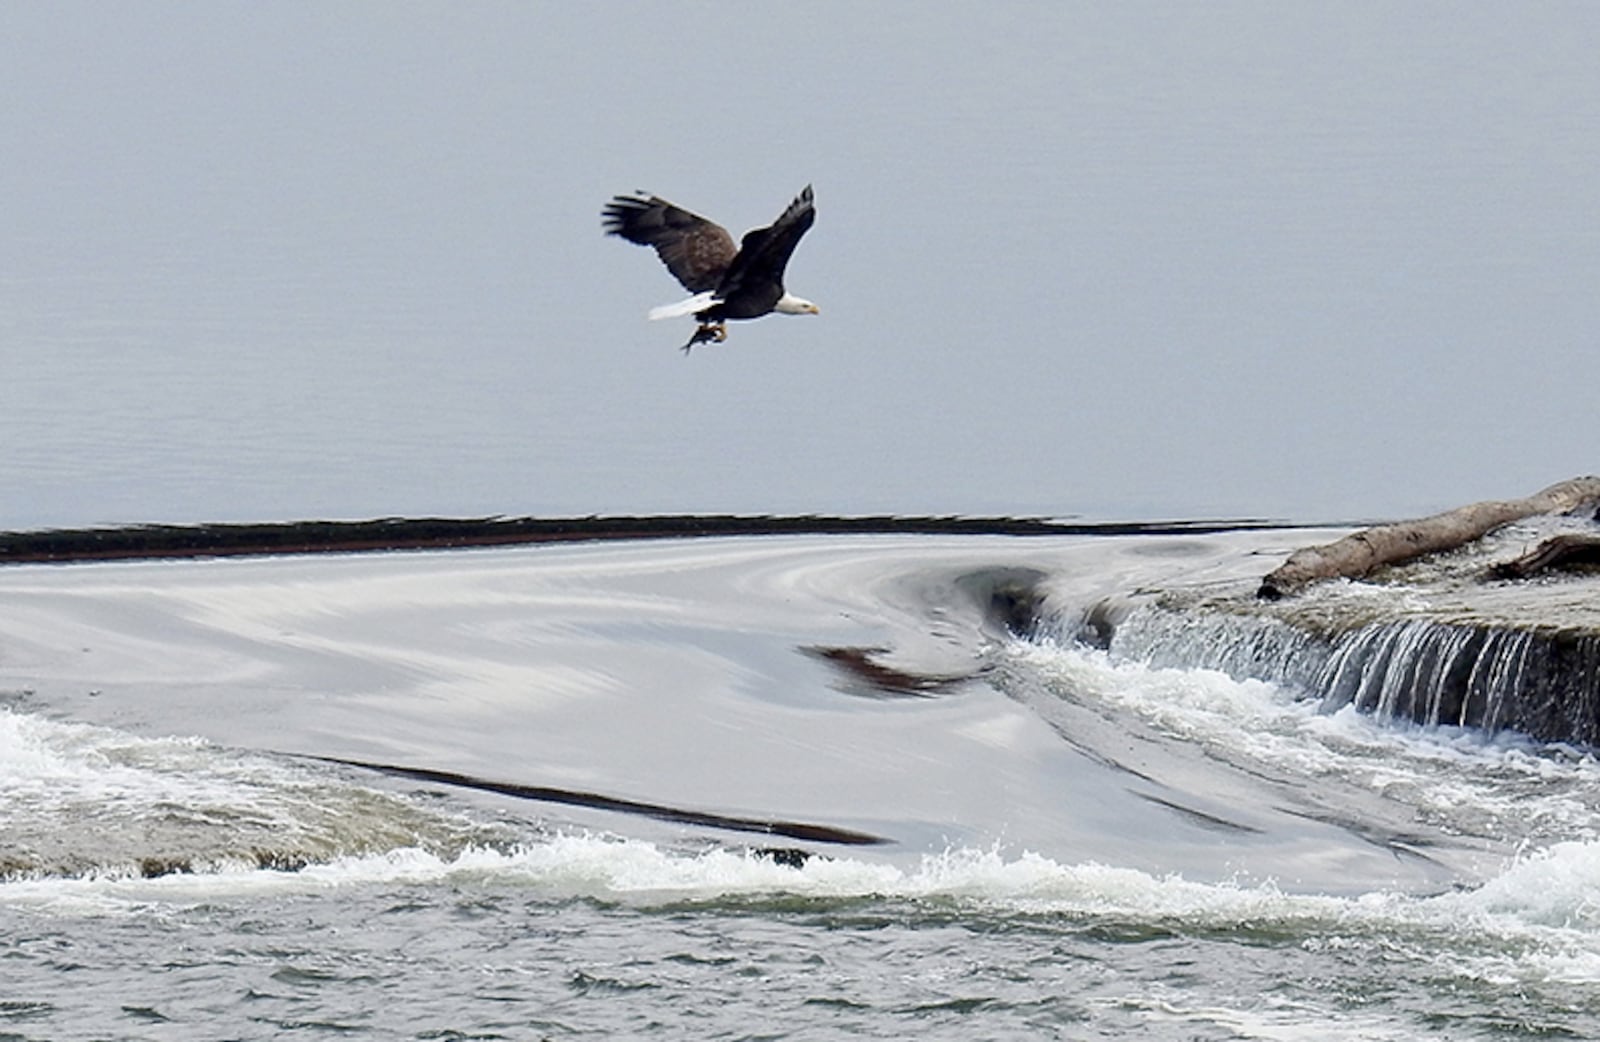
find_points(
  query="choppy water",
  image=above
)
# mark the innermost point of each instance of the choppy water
(1079, 845)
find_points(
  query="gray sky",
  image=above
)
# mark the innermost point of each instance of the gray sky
(1294, 260)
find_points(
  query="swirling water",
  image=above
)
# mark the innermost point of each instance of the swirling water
(1077, 845)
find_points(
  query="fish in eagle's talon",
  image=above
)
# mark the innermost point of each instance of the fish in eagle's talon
(705, 334)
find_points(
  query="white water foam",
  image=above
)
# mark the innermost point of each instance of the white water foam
(1502, 786)
(45, 763)
(1539, 922)
(82, 800)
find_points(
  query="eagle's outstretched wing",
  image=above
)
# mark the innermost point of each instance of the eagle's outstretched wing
(695, 250)
(764, 252)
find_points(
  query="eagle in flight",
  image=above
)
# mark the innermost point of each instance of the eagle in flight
(728, 281)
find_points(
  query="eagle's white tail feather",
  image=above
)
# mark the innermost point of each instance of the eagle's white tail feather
(698, 302)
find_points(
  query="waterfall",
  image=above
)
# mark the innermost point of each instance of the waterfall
(1541, 682)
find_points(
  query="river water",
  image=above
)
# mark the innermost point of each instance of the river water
(1070, 844)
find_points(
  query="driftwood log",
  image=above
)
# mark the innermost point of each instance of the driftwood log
(1358, 554)
(1573, 549)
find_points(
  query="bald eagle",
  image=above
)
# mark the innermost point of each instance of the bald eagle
(744, 281)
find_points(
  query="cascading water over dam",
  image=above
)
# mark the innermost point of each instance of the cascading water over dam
(1433, 642)
(1544, 684)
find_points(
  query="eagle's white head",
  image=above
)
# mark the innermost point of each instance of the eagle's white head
(789, 304)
